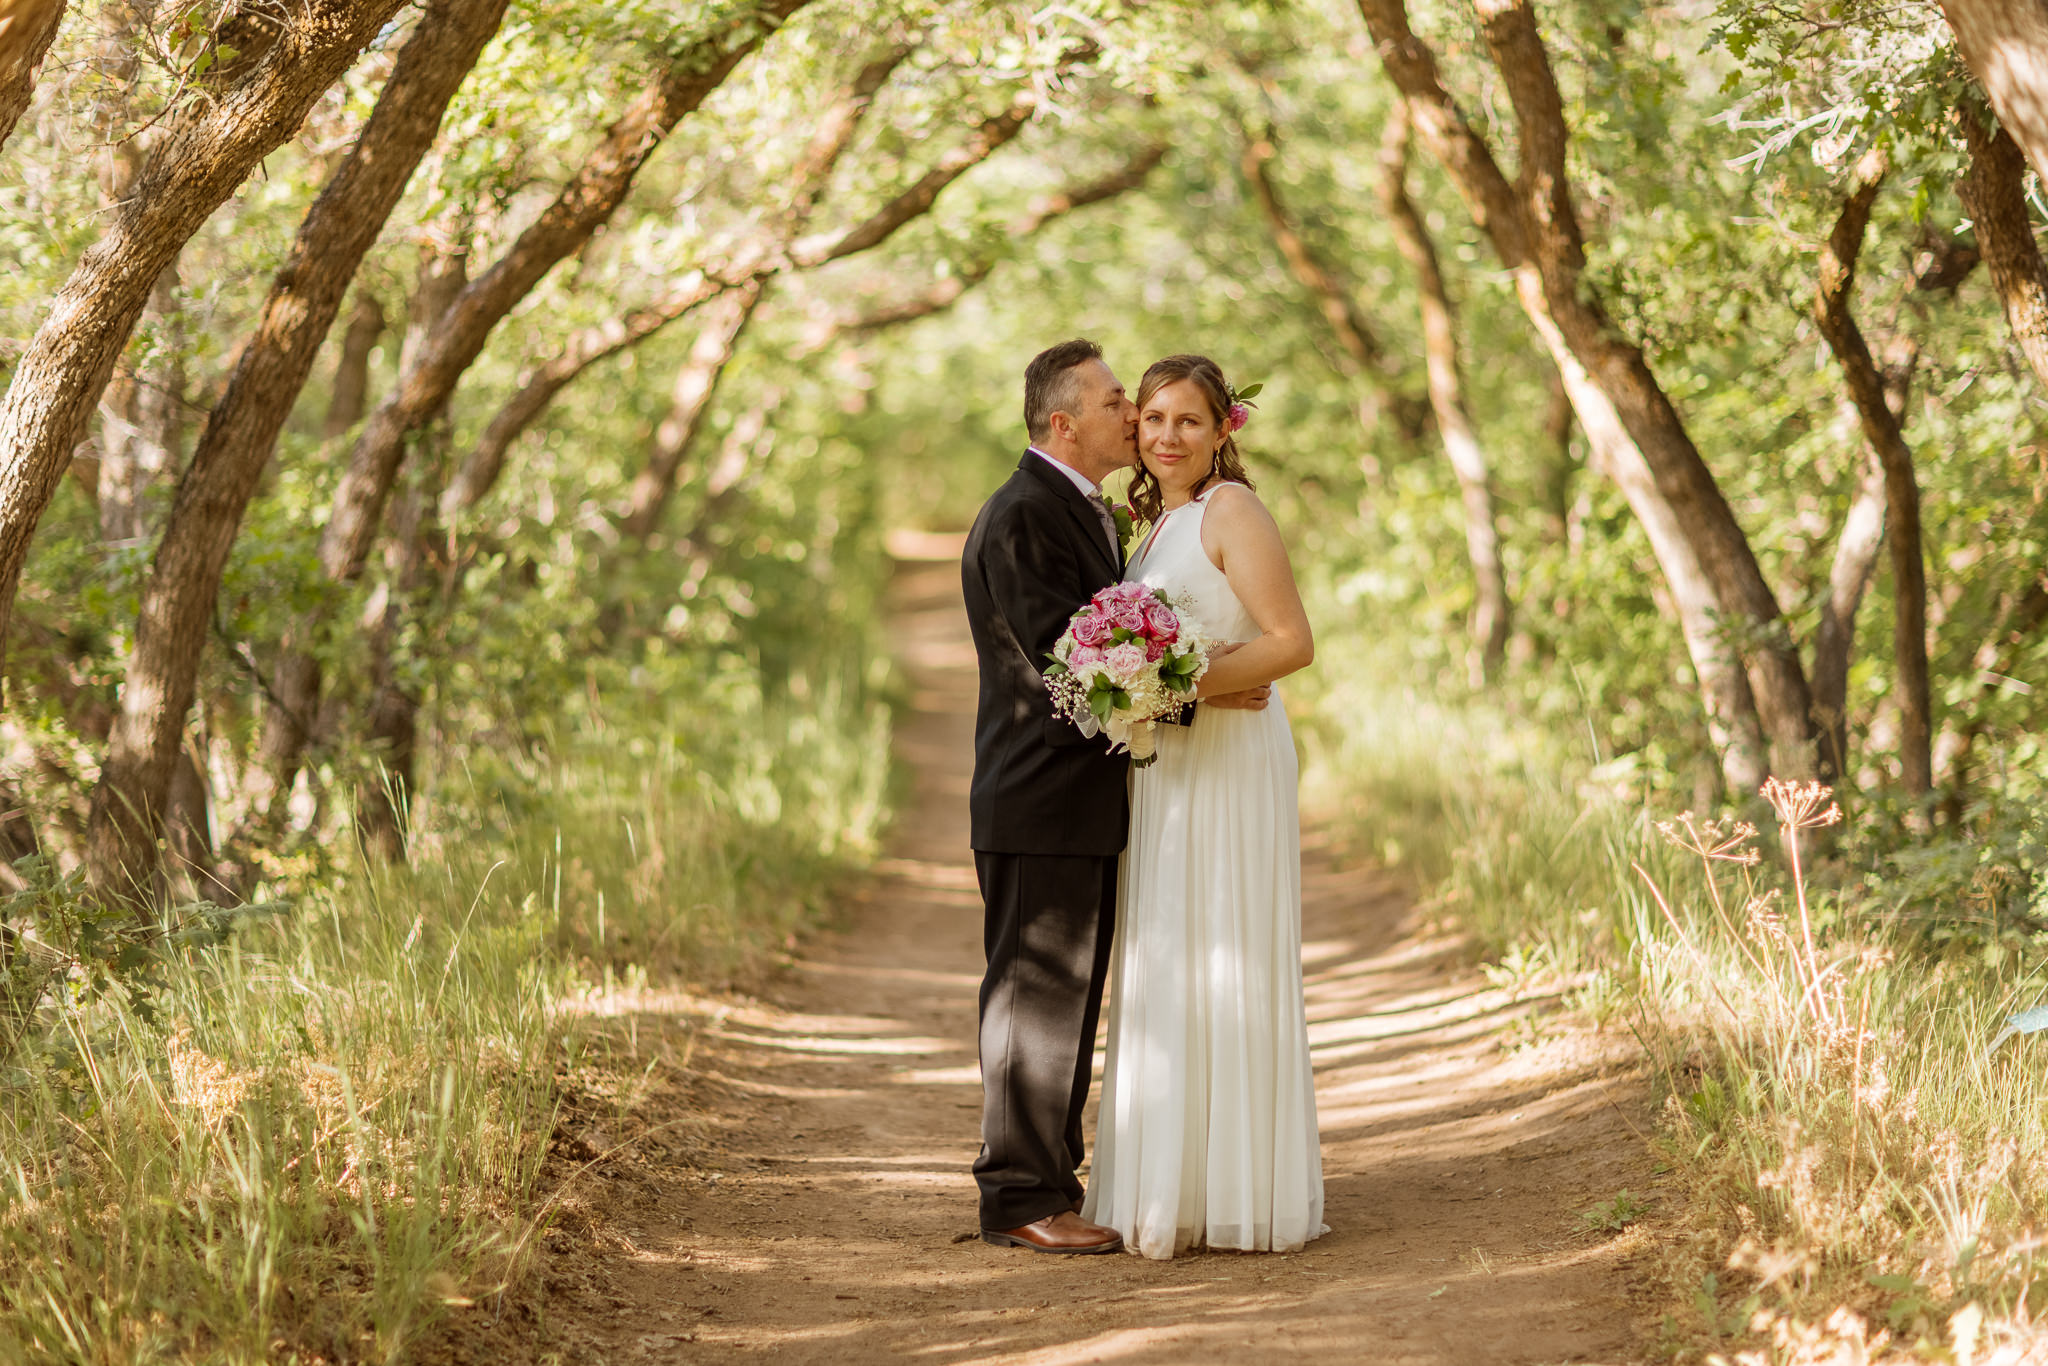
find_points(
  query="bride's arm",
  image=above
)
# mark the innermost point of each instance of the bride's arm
(1241, 536)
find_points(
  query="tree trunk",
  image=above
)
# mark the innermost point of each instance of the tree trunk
(1491, 608)
(1559, 467)
(241, 432)
(428, 378)
(191, 874)
(1339, 307)
(1535, 229)
(383, 806)
(1733, 726)
(1771, 660)
(142, 422)
(17, 835)
(27, 28)
(350, 396)
(1834, 639)
(2022, 616)
(1365, 356)
(689, 401)
(1882, 429)
(206, 152)
(2005, 43)
(384, 797)
(1993, 191)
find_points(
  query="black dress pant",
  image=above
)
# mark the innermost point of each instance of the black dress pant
(1050, 918)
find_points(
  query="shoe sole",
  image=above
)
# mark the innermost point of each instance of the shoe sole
(1005, 1240)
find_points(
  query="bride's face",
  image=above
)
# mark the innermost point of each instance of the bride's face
(1178, 437)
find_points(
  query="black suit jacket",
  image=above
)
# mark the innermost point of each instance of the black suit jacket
(1036, 554)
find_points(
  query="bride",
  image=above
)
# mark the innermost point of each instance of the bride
(1207, 1131)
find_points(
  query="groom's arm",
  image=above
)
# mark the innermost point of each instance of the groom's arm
(1033, 579)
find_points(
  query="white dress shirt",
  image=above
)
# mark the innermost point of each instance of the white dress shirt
(1089, 490)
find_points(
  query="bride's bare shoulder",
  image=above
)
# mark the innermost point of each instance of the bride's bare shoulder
(1235, 504)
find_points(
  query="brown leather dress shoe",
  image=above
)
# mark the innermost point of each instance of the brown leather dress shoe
(1062, 1232)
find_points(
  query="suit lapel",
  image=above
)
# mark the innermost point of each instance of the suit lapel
(1076, 504)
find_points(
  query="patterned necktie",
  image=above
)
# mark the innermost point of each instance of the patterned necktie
(1108, 520)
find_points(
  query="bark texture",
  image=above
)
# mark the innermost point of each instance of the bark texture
(1883, 430)
(1365, 356)
(538, 386)
(2005, 43)
(383, 797)
(349, 397)
(27, 28)
(2022, 617)
(1993, 191)
(1491, 608)
(584, 205)
(1332, 295)
(1533, 226)
(689, 402)
(142, 421)
(241, 431)
(429, 375)
(202, 157)
(1834, 637)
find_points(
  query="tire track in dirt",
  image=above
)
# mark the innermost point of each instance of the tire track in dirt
(793, 1186)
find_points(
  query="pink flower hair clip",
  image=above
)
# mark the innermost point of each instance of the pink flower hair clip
(1240, 410)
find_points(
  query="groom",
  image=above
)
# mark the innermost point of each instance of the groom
(1047, 806)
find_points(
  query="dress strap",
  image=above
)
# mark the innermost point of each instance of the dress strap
(1203, 496)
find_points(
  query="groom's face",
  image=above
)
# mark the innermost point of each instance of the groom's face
(1106, 428)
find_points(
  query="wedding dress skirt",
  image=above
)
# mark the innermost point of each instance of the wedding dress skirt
(1206, 1135)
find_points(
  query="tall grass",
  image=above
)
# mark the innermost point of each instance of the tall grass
(1863, 1171)
(307, 1140)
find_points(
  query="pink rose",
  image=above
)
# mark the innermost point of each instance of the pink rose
(1128, 615)
(1084, 657)
(1092, 629)
(1162, 623)
(1125, 660)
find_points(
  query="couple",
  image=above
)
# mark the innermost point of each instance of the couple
(1206, 1135)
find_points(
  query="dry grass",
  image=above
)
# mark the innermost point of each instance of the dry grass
(1866, 1176)
(308, 1142)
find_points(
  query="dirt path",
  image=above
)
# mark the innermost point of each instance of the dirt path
(798, 1190)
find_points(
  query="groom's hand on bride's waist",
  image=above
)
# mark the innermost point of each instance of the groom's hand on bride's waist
(1250, 699)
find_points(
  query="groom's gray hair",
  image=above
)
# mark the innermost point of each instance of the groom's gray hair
(1051, 386)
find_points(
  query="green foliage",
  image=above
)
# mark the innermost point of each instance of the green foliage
(660, 755)
(1611, 1216)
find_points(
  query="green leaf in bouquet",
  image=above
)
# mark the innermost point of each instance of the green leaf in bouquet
(1121, 636)
(1101, 704)
(1056, 670)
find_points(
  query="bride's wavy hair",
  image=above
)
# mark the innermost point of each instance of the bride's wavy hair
(1147, 499)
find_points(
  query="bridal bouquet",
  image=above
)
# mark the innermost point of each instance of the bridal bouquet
(1125, 661)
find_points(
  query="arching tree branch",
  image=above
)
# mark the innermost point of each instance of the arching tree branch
(1883, 430)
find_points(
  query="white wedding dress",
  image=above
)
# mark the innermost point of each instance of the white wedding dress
(1207, 1131)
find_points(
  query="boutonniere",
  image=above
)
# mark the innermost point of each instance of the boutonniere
(1126, 522)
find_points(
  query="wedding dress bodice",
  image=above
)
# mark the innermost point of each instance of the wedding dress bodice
(1173, 560)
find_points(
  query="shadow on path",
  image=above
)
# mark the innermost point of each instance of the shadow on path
(825, 1212)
